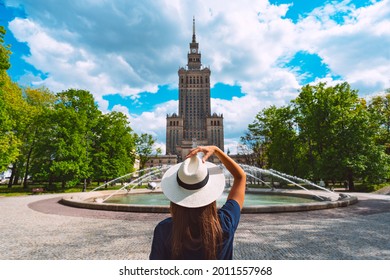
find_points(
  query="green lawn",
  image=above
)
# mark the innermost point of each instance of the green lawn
(18, 190)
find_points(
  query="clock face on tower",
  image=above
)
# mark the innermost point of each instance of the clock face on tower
(193, 50)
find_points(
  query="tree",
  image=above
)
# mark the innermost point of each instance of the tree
(4, 51)
(44, 151)
(253, 149)
(335, 126)
(62, 152)
(9, 142)
(83, 104)
(277, 136)
(39, 101)
(379, 108)
(113, 147)
(326, 133)
(144, 148)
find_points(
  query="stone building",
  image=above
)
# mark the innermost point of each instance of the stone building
(161, 160)
(194, 124)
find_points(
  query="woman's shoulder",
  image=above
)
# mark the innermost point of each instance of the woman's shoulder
(229, 214)
(165, 222)
(231, 205)
(165, 225)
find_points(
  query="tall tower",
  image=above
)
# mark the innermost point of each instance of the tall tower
(194, 124)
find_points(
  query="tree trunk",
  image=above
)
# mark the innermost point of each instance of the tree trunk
(16, 176)
(51, 181)
(11, 178)
(351, 184)
(27, 168)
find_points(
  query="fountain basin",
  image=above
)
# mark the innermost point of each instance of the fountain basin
(93, 200)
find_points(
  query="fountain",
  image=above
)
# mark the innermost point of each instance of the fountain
(263, 196)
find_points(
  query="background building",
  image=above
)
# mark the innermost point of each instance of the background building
(161, 160)
(194, 125)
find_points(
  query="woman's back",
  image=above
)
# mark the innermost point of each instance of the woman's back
(228, 217)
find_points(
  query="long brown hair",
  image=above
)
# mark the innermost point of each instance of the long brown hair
(194, 228)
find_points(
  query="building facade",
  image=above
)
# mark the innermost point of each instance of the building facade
(194, 124)
(161, 160)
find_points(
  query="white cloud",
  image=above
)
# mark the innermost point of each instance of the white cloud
(70, 66)
(153, 123)
(237, 113)
(357, 50)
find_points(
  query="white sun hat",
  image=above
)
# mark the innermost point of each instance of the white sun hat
(193, 183)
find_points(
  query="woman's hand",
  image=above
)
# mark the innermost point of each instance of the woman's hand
(237, 192)
(206, 150)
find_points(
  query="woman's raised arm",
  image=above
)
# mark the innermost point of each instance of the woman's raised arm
(237, 191)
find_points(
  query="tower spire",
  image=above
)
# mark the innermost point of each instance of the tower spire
(193, 30)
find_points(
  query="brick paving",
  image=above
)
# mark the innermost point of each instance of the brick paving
(37, 227)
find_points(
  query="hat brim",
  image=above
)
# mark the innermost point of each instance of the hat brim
(193, 198)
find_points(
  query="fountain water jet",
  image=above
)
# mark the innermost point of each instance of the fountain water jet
(137, 181)
(245, 167)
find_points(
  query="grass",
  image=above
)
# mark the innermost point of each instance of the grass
(18, 190)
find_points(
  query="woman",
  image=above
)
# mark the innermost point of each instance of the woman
(196, 229)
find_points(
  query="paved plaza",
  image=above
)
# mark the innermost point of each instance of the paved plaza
(38, 227)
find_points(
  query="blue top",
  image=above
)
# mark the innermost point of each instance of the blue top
(229, 216)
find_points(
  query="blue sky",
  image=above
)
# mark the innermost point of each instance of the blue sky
(260, 52)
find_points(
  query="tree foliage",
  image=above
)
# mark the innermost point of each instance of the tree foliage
(66, 139)
(4, 51)
(276, 129)
(62, 137)
(379, 109)
(326, 133)
(39, 101)
(10, 100)
(113, 147)
(9, 142)
(144, 148)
